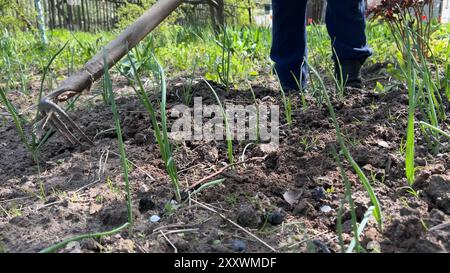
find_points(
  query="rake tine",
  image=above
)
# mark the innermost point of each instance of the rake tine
(64, 118)
(62, 128)
(47, 118)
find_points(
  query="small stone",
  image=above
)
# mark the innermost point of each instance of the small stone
(326, 209)
(155, 218)
(28, 185)
(383, 144)
(276, 217)
(373, 246)
(420, 161)
(369, 168)
(292, 197)
(239, 245)
(146, 204)
(318, 193)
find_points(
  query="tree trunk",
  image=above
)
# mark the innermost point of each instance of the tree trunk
(212, 12)
(40, 21)
(316, 10)
(250, 19)
(52, 12)
(97, 16)
(69, 16)
(217, 12)
(60, 12)
(220, 12)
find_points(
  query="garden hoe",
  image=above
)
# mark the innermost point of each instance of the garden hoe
(54, 115)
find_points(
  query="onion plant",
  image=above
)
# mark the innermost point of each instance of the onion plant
(415, 14)
(343, 148)
(301, 89)
(224, 68)
(124, 161)
(227, 126)
(287, 102)
(410, 75)
(188, 89)
(255, 102)
(411, 27)
(338, 79)
(347, 199)
(32, 144)
(160, 132)
(18, 121)
(435, 129)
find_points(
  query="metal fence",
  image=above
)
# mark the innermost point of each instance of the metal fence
(86, 15)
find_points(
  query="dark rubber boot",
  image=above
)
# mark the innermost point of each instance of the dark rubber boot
(351, 72)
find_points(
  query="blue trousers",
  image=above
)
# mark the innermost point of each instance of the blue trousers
(346, 25)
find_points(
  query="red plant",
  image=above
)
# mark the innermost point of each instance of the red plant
(403, 14)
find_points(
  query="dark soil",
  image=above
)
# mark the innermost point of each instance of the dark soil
(84, 188)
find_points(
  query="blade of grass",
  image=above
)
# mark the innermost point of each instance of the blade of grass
(287, 102)
(208, 185)
(34, 142)
(123, 156)
(347, 197)
(410, 75)
(437, 130)
(362, 177)
(47, 67)
(17, 120)
(62, 244)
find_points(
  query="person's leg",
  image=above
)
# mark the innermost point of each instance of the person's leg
(289, 41)
(346, 24)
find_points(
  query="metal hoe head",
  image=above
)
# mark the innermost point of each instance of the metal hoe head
(54, 115)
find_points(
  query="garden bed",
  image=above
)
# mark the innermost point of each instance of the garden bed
(83, 189)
